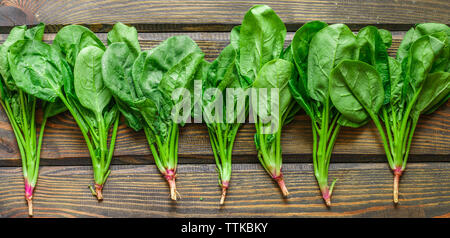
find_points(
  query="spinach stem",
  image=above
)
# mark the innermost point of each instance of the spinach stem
(383, 138)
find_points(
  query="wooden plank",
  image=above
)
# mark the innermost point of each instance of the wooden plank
(64, 144)
(11, 16)
(207, 15)
(363, 190)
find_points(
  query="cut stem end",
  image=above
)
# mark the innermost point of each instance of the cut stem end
(98, 192)
(30, 206)
(224, 192)
(397, 173)
(170, 177)
(282, 185)
(326, 195)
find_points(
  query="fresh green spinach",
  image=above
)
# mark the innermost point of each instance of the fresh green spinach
(415, 84)
(146, 84)
(41, 70)
(258, 43)
(222, 122)
(21, 107)
(316, 49)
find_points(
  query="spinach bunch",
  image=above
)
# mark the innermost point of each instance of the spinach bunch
(221, 110)
(262, 64)
(395, 92)
(146, 85)
(43, 72)
(316, 49)
(21, 107)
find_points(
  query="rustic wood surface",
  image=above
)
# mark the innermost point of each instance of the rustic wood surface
(363, 190)
(214, 15)
(135, 187)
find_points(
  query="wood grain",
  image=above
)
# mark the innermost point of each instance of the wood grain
(64, 144)
(363, 190)
(207, 15)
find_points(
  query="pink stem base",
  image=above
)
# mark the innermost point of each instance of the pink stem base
(282, 185)
(170, 177)
(326, 196)
(225, 185)
(397, 173)
(29, 197)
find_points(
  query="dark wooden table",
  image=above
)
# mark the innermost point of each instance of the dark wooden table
(135, 187)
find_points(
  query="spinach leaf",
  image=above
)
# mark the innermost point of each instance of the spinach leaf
(117, 64)
(355, 90)
(300, 49)
(435, 91)
(261, 39)
(327, 49)
(70, 40)
(372, 50)
(38, 69)
(88, 80)
(126, 34)
(16, 34)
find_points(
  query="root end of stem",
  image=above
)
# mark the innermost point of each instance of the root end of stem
(30, 206)
(224, 194)
(282, 186)
(397, 173)
(98, 192)
(170, 177)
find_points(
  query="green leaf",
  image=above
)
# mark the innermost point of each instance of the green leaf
(150, 66)
(435, 91)
(275, 74)
(415, 33)
(88, 81)
(35, 33)
(16, 34)
(261, 40)
(300, 49)
(386, 36)
(38, 69)
(396, 80)
(127, 34)
(117, 64)
(328, 48)
(356, 90)
(70, 40)
(423, 53)
(372, 50)
(53, 108)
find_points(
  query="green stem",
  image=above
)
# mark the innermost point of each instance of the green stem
(383, 138)
(86, 137)
(19, 136)
(314, 152)
(388, 130)
(411, 134)
(214, 149)
(38, 151)
(111, 146)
